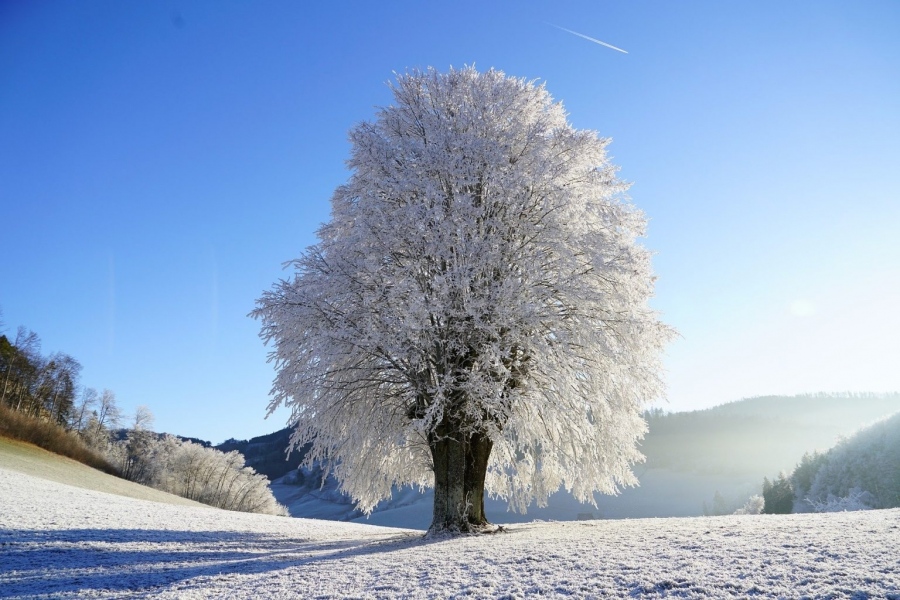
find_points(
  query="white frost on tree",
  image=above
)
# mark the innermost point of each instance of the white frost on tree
(856, 499)
(189, 470)
(475, 314)
(753, 506)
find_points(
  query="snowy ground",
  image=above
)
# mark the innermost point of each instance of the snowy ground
(60, 541)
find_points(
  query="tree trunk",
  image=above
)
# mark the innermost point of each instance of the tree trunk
(9, 368)
(460, 466)
(478, 451)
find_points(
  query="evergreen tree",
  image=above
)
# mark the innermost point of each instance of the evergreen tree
(778, 496)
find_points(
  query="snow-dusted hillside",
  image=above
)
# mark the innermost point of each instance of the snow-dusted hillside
(59, 541)
(692, 459)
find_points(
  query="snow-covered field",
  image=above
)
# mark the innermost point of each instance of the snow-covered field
(60, 541)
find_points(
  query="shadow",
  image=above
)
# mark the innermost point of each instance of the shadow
(90, 561)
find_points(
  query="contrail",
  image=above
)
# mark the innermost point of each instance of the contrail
(590, 39)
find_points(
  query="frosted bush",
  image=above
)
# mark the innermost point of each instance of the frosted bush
(754, 506)
(857, 499)
(192, 471)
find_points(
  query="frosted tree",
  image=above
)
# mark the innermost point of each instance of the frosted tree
(136, 453)
(108, 414)
(82, 409)
(475, 315)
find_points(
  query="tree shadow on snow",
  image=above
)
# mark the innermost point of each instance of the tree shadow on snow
(69, 561)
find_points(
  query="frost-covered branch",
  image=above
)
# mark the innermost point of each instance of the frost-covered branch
(480, 280)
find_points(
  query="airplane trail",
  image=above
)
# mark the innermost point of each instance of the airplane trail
(596, 41)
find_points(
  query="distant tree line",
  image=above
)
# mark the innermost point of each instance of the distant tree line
(37, 385)
(748, 436)
(42, 402)
(47, 388)
(268, 453)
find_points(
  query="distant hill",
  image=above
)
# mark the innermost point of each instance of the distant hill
(121, 434)
(692, 457)
(267, 454)
(758, 435)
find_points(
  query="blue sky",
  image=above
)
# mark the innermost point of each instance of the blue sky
(159, 161)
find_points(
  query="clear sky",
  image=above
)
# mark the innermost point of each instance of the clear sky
(160, 160)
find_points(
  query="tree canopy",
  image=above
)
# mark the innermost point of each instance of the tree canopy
(477, 304)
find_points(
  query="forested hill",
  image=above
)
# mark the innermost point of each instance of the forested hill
(754, 436)
(267, 454)
(861, 472)
(770, 431)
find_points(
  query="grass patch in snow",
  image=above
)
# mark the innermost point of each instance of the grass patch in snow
(29, 459)
(50, 436)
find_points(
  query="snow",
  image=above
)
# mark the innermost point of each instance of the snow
(60, 541)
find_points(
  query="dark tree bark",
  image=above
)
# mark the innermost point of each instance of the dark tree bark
(478, 451)
(460, 465)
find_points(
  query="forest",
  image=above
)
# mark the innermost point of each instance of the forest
(861, 472)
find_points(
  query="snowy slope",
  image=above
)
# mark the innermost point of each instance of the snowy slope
(60, 541)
